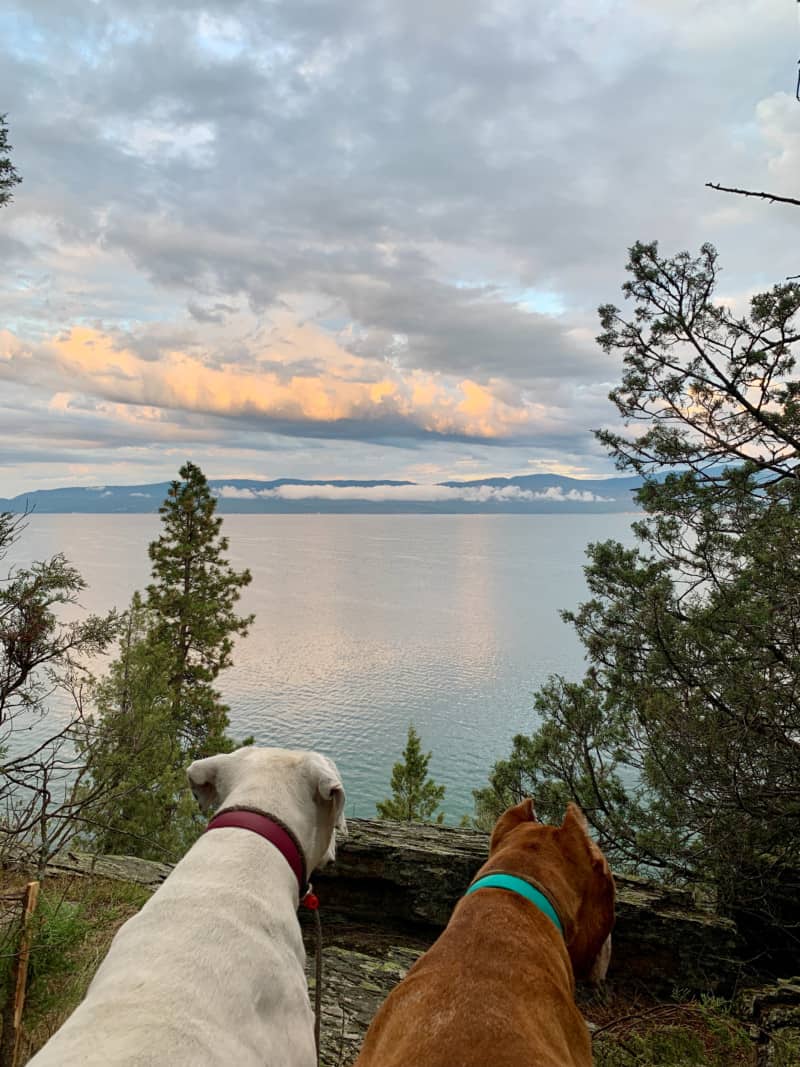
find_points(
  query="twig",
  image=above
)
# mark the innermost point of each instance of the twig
(644, 1012)
(772, 197)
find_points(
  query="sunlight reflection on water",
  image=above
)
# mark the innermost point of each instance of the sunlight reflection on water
(365, 623)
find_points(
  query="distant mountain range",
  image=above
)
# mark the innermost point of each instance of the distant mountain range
(526, 494)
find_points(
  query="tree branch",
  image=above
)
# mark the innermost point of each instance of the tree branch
(772, 197)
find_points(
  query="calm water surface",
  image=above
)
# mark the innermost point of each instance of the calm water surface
(365, 623)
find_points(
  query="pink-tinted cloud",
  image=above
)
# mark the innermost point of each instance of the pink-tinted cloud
(334, 387)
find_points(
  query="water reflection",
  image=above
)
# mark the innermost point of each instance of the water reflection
(364, 623)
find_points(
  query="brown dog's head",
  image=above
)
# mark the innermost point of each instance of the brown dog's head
(572, 870)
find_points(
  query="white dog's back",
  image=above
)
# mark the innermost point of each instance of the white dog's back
(211, 970)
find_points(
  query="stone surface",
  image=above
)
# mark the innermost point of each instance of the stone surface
(773, 1011)
(359, 971)
(400, 876)
(119, 868)
(405, 880)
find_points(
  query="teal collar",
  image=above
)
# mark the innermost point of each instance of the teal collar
(524, 889)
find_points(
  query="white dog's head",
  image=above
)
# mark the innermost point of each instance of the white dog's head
(302, 789)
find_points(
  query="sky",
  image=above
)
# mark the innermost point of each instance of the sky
(362, 238)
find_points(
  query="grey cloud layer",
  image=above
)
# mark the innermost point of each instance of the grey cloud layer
(434, 172)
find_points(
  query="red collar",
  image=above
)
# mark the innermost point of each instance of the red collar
(272, 830)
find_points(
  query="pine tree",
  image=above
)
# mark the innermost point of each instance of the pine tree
(134, 755)
(158, 708)
(415, 797)
(44, 672)
(681, 741)
(8, 174)
(192, 600)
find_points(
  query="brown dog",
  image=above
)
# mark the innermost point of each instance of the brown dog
(497, 988)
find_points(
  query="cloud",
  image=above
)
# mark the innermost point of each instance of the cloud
(777, 119)
(483, 494)
(215, 314)
(364, 221)
(339, 394)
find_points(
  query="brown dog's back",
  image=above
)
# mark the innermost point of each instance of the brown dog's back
(497, 988)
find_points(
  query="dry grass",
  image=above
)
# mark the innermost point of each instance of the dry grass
(75, 922)
(634, 1033)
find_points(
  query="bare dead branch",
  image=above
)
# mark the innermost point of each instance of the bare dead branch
(773, 198)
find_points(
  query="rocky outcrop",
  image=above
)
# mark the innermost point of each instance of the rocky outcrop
(354, 985)
(118, 868)
(773, 1012)
(411, 878)
(405, 881)
(393, 887)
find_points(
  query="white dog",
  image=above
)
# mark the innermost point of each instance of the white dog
(211, 970)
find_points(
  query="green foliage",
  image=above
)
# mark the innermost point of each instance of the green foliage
(680, 743)
(42, 660)
(59, 926)
(672, 1047)
(710, 386)
(158, 709)
(73, 926)
(38, 652)
(136, 763)
(192, 600)
(784, 1051)
(699, 1035)
(415, 797)
(8, 174)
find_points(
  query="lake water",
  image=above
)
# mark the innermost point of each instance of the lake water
(365, 623)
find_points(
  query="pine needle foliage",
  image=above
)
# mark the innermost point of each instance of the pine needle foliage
(681, 742)
(158, 708)
(415, 797)
(8, 173)
(192, 601)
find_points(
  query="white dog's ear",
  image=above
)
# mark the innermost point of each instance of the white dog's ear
(203, 777)
(329, 791)
(332, 790)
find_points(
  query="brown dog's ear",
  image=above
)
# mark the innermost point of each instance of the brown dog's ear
(576, 824)
(575, 820)
(511, 819)
(589, 945)
(576, 829)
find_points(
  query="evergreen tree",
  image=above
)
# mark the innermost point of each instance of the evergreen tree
(134, 755)
(42, 663)
(8, 174)
(681, 742)
(192, 600)
(158, 708)
(415, 797)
